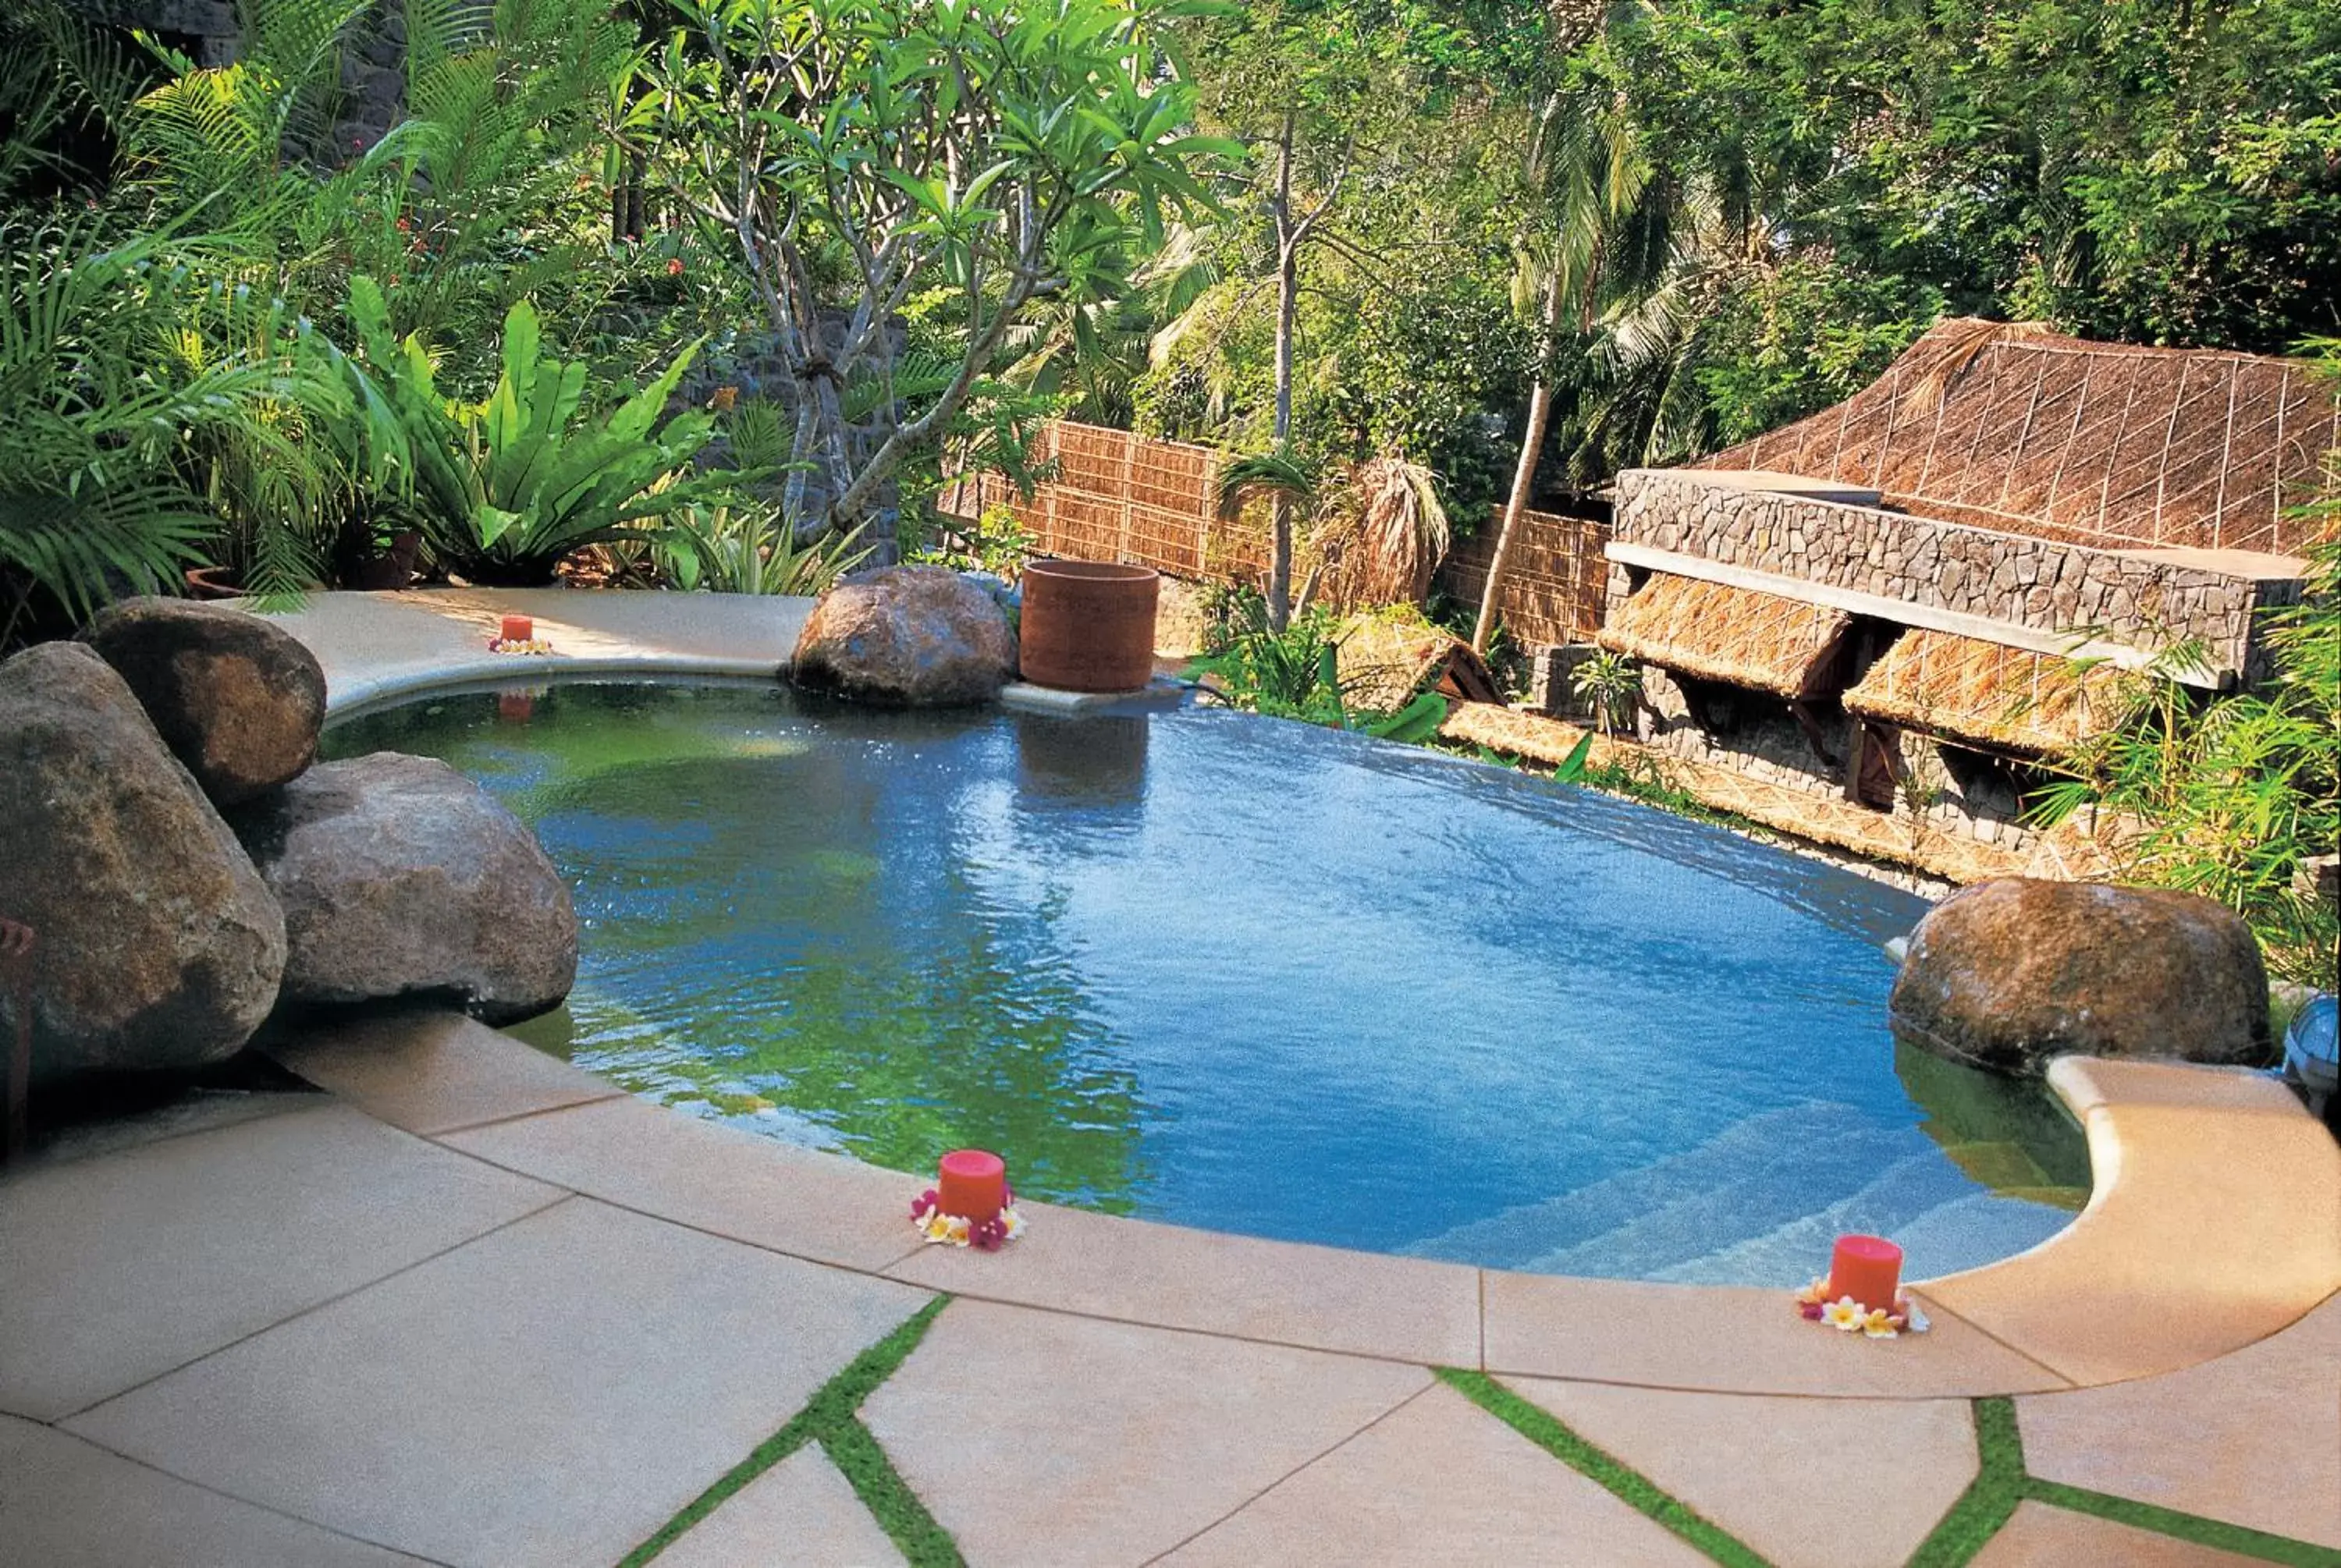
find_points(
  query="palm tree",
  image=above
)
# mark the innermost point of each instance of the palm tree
(1610, 247)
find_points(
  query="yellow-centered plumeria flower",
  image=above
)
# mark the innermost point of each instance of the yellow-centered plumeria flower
(1012, 1223)
(1814, 1293)
(946, 1227)
(1844, 1314)
(1878, 1326)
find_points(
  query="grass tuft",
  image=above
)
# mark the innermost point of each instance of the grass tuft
(1628, 1485)
(826, 1419)
(922, 1543)
(1987, 1504)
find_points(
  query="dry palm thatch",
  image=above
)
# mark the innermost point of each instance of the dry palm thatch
(1386, 532)
(1720, 632)
(2072, 851)
(1384, 662)
(1970, 689)
(2014, 428)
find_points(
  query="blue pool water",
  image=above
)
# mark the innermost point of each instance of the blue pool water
(1241, 973)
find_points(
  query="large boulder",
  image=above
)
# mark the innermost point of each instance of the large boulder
(2013, 971)
(236, 698)
(401, 877)
(157, 945)
(907, 637)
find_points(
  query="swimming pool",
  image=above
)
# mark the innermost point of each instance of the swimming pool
(1241, 973)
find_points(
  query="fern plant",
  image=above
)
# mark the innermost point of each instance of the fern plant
(122, 416)
(503, 489)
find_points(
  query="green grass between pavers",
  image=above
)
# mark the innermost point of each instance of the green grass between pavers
(2001, 1483)
(922, 1543)
(1628, 1485)
(828, 1419)
(1985, 1506)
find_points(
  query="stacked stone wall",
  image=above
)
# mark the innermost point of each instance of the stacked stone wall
(2035, 584)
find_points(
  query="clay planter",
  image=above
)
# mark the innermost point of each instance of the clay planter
(213, 582)
(1088, 625)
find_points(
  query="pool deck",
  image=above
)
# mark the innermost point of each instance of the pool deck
(467, 1304)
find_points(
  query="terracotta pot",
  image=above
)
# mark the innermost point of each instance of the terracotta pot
(391, 569)
(212, 582)
(1088, 625)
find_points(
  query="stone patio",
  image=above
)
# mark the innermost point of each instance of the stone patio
(461, 1303)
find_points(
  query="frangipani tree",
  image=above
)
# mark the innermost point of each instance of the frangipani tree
(978, 155)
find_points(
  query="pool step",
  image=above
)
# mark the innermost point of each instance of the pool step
(1763, 1228)
(1749, 1179)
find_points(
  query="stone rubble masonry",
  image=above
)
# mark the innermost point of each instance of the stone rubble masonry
(2039, 584)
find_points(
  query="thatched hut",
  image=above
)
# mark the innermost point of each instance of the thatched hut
(1935, 588)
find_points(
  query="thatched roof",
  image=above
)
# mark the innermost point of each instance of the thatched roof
(1725, 633)
(2013, 428)
(1967, 689)
(1383, 663)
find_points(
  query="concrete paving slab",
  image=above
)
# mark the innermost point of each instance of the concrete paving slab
(550, 1395)
(2040, 1536)
(800, 1514)
(1439, 1481)
(2253, 1438)
(1280, 1293)
(1808, 1483)
(122, 1267)
(1037, 1438)
(1730, 1341)
(198, 1110)
(2186, 1251)
(630, 1152)
(431, 1070)
(67, 1504)
(373, 645)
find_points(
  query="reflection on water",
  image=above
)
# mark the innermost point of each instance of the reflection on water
(1244, 973)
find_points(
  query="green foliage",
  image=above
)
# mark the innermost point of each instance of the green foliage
(122, 414)
(1610, 684)
(861, 152)
(2230, 796)
(503, 489)
(749, 547)
(1294, 673)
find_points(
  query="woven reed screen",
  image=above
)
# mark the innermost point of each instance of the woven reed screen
(2015, 429)
(1120, 497)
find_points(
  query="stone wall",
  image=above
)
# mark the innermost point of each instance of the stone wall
(2034, 583)
(372, 68)
(1751, 732)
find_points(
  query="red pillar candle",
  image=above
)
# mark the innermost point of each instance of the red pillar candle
(975, 1184)
(1867, 1268)
(519, 629)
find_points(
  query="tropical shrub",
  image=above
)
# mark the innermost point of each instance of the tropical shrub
(502, 490)
(2228, 798)
(121, 417)
(858, 153)
(749, 547)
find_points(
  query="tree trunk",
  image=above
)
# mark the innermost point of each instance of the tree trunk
(1288, 295)
(1523, 475)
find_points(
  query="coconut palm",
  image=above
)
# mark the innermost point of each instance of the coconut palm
(1609, 246)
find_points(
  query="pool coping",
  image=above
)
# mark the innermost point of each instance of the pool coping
(2213, 1219)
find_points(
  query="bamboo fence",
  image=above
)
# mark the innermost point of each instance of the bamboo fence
(1115, 496)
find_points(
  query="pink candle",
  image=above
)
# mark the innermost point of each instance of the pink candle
(519, 629)
(975, 1184)
(1867, 1268)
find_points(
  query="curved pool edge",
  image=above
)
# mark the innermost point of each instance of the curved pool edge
(379, 648)
(2214, 1220)
(2152, 1278)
